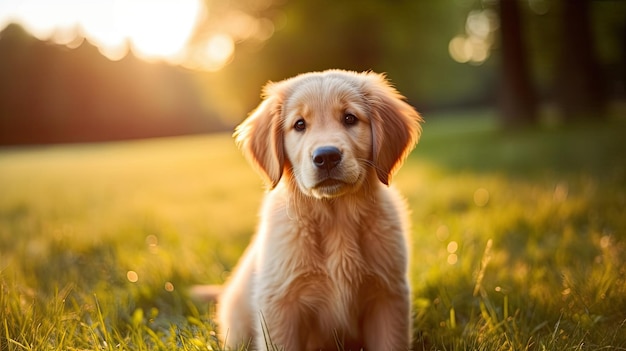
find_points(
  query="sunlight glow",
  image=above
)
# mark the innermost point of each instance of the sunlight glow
(157, 29)
(153, 29)
(100, 28)
(174, 31)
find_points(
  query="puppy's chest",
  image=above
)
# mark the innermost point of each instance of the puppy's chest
(338, 266)
(337, 253)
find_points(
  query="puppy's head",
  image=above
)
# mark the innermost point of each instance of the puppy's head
(329, 131)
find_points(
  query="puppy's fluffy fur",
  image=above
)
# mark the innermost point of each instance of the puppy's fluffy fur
(328, 263)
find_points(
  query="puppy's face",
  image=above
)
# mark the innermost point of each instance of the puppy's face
(327, 137)
(329, 131)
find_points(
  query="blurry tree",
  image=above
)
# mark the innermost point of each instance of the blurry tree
(580, 85)
(406, 39)
(50, 94)
(518, 104)
(566, 52)
(443, 54)
(410, 40)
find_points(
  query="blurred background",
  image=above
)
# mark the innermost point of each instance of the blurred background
(521, 162)
(76, 71)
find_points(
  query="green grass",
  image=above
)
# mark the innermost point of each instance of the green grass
(518, 239)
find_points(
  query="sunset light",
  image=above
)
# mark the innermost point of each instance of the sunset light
(157, 29)
(153, 30)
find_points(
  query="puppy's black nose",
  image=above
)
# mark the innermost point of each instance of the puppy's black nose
(326, 157)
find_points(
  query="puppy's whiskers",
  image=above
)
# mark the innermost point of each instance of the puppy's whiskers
(369, 163)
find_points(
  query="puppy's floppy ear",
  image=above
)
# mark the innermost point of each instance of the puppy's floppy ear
(395, 125)
(260, 136)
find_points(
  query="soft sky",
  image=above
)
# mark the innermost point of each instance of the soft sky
(152, 29)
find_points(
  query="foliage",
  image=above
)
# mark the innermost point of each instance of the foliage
(518, 239)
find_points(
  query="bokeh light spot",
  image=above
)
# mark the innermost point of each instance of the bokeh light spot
(153, 243)
(442, 232)
(474, 46)
(482, 23)
(458, 49)
(218, 51)
(540, 7)
(452, 247)
(605, 242)
(132, 276)
(481, 197)
(452, 259)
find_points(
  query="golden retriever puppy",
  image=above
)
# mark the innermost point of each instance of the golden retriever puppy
(328, 264)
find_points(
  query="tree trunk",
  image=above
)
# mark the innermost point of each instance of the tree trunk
(517, 101)
(580, 89)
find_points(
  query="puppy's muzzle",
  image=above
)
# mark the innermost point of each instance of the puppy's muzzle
(326, 157)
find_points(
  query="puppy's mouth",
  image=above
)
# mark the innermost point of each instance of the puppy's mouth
(330, 183)
(329, 188)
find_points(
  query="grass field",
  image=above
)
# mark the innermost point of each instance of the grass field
(518, 239)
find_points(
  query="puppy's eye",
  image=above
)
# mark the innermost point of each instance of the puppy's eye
(300, 125)
(349, 119)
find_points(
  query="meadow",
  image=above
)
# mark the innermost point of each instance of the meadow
(519, 238)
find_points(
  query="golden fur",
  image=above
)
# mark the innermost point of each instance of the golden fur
(328, 263)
